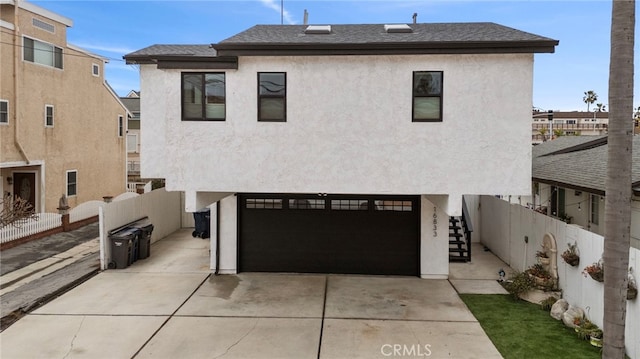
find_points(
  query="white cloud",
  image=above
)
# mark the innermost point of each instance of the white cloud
(274, 5)
(105, 48)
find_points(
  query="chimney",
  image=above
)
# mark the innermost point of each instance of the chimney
(306, 17)
(415, 17)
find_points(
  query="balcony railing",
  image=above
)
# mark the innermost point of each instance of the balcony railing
(569, 126)
(133, 167)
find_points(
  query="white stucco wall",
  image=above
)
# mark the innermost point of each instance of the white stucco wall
(349, 128)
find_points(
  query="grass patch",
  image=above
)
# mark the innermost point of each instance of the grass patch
(520, 329)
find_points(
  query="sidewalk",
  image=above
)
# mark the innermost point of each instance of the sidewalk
(35, 272)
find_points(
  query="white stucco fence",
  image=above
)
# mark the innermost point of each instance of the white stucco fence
(503, 230)
(163, 208)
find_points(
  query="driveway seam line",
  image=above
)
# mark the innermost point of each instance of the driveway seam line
(170, 316)
(324, 309)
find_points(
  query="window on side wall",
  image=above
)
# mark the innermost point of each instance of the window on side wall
(72, 183)
(272, 96)
(42, 53)
(4, 112)
(595, 209)
(120, 126)
(427, 96)
(203, 97)
(48, 116)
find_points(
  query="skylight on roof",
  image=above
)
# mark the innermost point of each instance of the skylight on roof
(397, 28)
(318, 29)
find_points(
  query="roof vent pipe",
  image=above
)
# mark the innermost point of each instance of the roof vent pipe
(306, 17)
(415, 17)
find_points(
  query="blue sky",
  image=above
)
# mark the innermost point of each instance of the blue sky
(581, 62)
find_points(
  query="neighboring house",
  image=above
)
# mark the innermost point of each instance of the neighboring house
(569, 182)
(572, 123)
(62, 128)
(132, 102)
(340, 148)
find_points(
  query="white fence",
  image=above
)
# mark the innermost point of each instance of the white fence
(514, 233)
(85, 210)
(42, 222)
(163, 209)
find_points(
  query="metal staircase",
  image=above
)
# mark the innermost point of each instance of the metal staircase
(460, 229)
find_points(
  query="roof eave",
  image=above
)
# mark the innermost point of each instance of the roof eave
(184, 61)
(402, 48)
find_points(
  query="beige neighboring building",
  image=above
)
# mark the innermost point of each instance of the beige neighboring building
(62, 128)
(571, 123)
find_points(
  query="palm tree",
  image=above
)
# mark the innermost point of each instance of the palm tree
(618, 182)
(558, 133)
(601, 107)
(589, 98)
(543, 133)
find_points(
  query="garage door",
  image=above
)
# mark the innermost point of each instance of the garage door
(329, 234)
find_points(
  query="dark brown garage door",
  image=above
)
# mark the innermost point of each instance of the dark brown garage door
(329, 234)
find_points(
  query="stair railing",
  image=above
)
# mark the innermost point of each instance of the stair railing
(467, 227)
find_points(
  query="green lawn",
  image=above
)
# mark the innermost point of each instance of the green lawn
(522, 330)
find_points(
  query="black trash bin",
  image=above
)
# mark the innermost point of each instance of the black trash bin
(123, 247)
(203, 223)
(144, 242)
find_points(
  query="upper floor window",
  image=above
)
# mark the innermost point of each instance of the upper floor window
(95, 69)
(272, 96)
(72, 183)
(203, 97)
(4, 112)
(120, 126)
(42, 53)
(427, 96)
(48, 116)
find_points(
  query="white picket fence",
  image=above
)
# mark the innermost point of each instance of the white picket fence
(42, 222)
(46, 221)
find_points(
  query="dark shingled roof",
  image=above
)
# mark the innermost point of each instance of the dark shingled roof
(481, 37)
(447, 38)
(182, 50)
(375, 33)
(578, 162)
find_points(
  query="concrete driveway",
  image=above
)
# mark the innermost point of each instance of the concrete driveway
(170, 306)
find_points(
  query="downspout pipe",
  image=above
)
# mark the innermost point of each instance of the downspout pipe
(16, 60)
(217, 238)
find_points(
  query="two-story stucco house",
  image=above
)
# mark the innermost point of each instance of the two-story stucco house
(340, 148)
(62, 128)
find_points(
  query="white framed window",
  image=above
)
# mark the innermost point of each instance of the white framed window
(48, 115)
(120, 126)
(4, 112)
(72, 183)
(95, 70)
(132, 143)
(42, 53)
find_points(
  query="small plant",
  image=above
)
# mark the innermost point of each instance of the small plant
(547, 303)
(585, 328)
(570, 255)
(537, 270)
(540, 276)
(519, 284)
(542, 254)
(595, 271)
